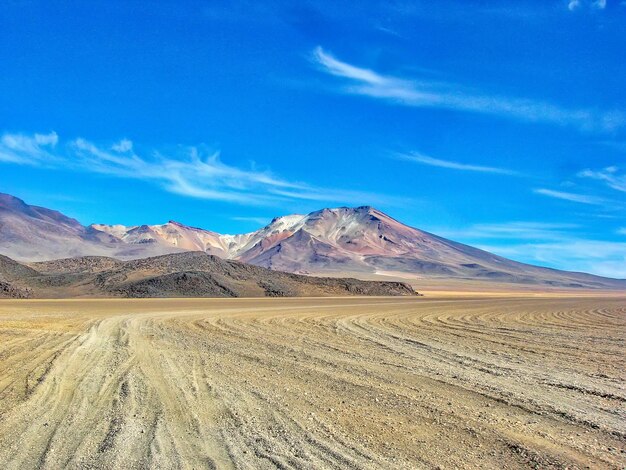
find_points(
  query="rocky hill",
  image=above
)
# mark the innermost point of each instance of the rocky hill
(189, 274)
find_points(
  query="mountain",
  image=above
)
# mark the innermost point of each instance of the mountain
(36, 233)
(360, 241)
(188, 274)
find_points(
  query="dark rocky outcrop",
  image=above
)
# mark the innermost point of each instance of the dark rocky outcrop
(189, 274)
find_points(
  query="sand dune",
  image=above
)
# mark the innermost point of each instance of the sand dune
(313, 383)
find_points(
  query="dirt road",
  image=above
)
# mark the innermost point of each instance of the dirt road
(313, 383)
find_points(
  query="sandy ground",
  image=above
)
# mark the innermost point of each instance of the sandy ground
(433, 285)
(448, 382)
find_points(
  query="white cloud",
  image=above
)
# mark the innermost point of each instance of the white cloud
(558, 245)
(599, 257)
(28, 149)
(50, 139)
(426, 93)
(610, 175)
(123, 145)
(516, 230)
(582, 198)
(342, 69)
(192, 171)
(418, 157)
(573, 5)
(621, 231)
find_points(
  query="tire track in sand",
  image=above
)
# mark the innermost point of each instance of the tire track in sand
(313, 383)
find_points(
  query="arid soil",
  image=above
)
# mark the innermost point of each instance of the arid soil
(406, 382)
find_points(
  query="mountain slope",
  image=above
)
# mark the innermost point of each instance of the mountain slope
(365, 240)
(36, 233)
(360, 241)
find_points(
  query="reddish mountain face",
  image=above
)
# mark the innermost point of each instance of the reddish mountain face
(354, 241)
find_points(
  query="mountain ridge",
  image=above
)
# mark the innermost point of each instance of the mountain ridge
(360, 241)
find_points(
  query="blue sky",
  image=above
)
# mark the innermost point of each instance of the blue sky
(498, 124)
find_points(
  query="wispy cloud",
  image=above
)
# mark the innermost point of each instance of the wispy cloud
(123, 145)
(191, 174)
(621, 231)
(573, 5)
(36, 149)
(559, 245)
(582, 198)
(610, 175)
(600, 257)
(428, 93)
(515, 230)
(189, 171)
(418, 157)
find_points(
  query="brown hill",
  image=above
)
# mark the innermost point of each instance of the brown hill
(189, 274)
(11, 272)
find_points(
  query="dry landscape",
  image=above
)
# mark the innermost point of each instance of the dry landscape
(360, 242)
(515, 381)
(312, 235)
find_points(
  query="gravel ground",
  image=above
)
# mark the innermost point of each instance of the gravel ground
(459, 382)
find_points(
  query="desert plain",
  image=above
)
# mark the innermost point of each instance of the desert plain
(452, 380)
